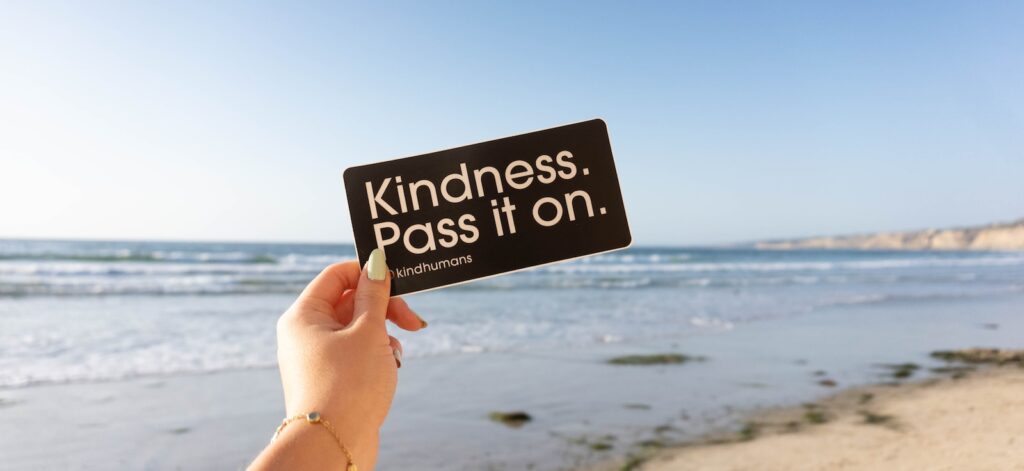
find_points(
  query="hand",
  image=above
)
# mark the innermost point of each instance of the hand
(337, 358)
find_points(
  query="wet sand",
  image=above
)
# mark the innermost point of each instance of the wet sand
(584, 411)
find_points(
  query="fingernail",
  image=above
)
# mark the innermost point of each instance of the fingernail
(423, 323)
(398, 357)
(377, 266)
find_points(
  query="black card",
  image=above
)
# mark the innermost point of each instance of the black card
(494, 207)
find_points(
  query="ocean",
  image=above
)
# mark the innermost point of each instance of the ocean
(81, 311)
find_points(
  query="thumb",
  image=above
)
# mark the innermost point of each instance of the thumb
(372, 293)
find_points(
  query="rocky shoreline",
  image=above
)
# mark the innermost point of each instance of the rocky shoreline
(1000, 236)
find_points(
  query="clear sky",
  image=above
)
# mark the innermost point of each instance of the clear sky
(730, 121)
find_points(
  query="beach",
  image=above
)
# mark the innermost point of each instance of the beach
(625, 236)
(970, 422)
(132, 378)
(584, 411)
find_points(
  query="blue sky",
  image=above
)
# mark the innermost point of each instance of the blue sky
(730, 121)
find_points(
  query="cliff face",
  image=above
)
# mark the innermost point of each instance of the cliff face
(1006, 236)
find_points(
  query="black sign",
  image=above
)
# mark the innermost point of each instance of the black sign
(484, 209)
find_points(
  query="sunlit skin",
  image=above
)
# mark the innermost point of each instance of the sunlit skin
(337, 358)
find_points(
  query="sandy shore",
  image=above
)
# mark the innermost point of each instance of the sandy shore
(976, 422)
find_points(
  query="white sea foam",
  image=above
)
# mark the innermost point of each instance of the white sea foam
(100, 311)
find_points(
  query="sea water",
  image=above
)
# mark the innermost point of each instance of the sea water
(74, 311)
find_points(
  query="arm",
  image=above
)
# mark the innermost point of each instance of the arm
(337, 359)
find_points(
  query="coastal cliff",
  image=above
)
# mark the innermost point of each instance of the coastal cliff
(1000, 236)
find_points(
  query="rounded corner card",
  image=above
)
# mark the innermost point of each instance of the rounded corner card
(489, 208)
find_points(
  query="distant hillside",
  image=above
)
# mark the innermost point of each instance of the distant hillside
(1002, 236)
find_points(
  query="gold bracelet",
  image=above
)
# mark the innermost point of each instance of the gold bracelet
(314, 418)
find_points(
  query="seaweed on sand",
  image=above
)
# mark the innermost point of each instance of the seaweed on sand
(902, 370)
(513, 419)
(655, 359)
(981, 356)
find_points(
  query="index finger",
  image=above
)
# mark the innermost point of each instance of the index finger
(334, 280)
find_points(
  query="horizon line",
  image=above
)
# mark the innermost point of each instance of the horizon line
(294, 242)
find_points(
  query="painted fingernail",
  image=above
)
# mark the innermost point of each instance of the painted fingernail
(377, 266)
(423, 323)
(398, 357)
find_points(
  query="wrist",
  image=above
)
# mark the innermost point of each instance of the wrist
(356, 430)
(361, 439)
(299, 445)
(349, 435)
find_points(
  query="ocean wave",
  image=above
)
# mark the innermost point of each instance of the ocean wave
(169, 288)
(168, 252)
(896, 297)
(81, 269)
(147, 257)
(115, 369)
(784, 266)
(105, 311)
(61, 269)
(72, 282)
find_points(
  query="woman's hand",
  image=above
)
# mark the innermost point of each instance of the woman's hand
(336, 358)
